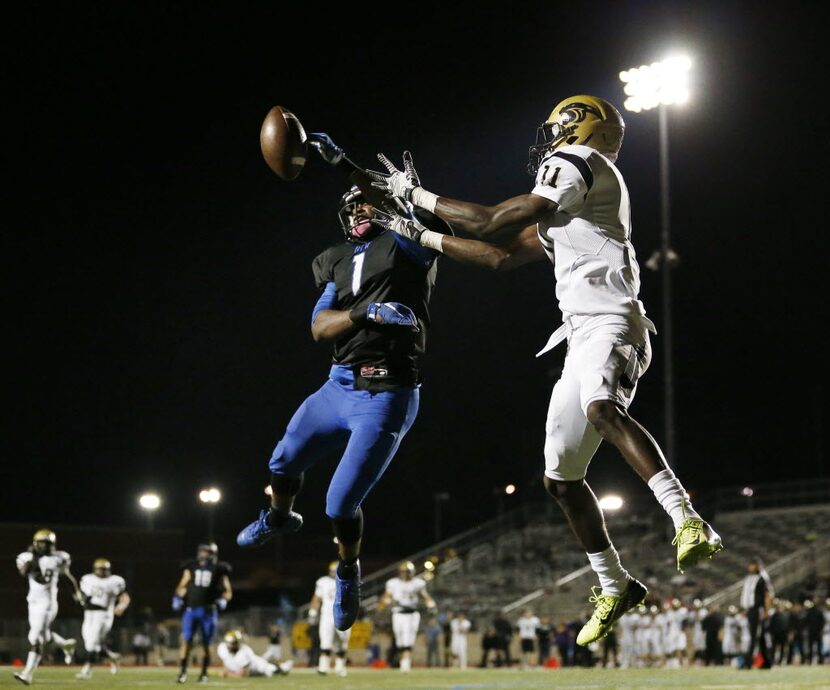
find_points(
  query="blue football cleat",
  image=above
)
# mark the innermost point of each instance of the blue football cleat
(259, 531)
(346, 601)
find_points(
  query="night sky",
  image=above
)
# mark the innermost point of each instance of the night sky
(158, 273)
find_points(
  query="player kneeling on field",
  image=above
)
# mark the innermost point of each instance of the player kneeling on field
(104, 597)
(239, 659)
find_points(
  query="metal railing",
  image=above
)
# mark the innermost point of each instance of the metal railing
(789, 570)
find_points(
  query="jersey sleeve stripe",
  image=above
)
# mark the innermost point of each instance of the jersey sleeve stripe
(580, 164)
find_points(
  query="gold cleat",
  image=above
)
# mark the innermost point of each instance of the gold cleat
(695, 540)
(608, 609)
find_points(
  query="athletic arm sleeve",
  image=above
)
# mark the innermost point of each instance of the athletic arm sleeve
(328, 300)
(564, 178)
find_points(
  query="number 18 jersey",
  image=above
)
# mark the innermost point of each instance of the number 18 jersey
(205, 585)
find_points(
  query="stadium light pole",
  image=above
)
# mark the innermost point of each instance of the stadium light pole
(210, 497)
(149, 502)
(660, 85)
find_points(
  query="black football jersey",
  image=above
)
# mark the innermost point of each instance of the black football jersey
(383, 270)
(205, 585)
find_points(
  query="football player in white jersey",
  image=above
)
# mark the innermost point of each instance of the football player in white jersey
(240, 660)
(321, 609)
(459, 628)
(42, 564)
(404, 594)
(527, 625)
(578, 215)
(105, 596)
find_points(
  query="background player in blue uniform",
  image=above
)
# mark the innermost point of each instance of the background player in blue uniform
(376, 288)
(203, 590)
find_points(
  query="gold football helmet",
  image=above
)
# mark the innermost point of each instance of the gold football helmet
(586, 120)
(44, 541)
(103, 565)
(233, 637)
(333, 568)
(407, 568)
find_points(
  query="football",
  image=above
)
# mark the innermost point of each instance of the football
(283, 142)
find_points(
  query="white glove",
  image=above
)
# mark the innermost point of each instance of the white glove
(409, 228)
(397, 182)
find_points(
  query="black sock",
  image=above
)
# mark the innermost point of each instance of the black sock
(275, 518)
(205, 663)
(183, 664)
(347, 570)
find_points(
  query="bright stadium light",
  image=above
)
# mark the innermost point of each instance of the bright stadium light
(510, 489)
(149, 502)
(610, 502)
(747, 491)
(268, 490)
(211, 495)
(429, 565)
(660, 85)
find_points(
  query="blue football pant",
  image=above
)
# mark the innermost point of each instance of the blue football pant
(203, 619)
(369, 426)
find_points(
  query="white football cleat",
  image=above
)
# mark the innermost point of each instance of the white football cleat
(286, 666)
(23, 678)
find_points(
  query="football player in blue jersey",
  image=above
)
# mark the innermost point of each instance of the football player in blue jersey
(373, 307)
(203, 590)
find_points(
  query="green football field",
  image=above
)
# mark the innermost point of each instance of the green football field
(698, 678)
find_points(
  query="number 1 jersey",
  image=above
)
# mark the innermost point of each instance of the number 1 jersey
(388, 268)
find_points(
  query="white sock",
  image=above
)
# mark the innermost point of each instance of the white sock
(406, 664)
(613, 578)
(672, 496)
(339, 663)
(323, 665)
(58, 640)
(86, 668)
(31, 663)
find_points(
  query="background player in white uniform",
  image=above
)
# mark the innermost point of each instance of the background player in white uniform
(674, 635)
(239, 659)
(527, 625)
(459, 627)
(104, 597)
(404, 593)
(43, 565)
(322, 610)
(577, 214)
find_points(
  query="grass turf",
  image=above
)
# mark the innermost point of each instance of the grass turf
(365, 679)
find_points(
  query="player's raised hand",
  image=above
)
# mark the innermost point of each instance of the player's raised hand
(325, 146)
(396, 182)
(406, 227)
(392, 313)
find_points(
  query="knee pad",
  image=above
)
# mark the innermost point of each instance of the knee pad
(348, 530)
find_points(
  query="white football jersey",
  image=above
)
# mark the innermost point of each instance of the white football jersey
(43, 576)
(235, 661)
(588, 238)
(325, 588)
(460, 627)
(527, 627)
(405, 593)
(103, 591)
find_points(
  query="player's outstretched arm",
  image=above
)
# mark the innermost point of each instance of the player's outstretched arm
(506, 219)
(523, 249)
